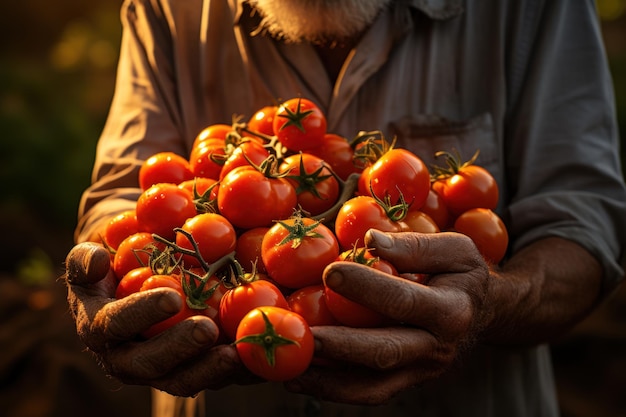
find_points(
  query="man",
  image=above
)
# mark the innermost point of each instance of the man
(524, 82)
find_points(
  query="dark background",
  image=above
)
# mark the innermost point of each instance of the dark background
(57, 69)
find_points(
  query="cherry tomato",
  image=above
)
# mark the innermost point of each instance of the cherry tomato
(399, 172)
(133, 252)
(210, 292)
(336, 151)
(164, 167)
(132, 281)
(238, 301)
(364, 256)
(359, 214)
(487, 231)
(198, 186)
(263, 120)
(246, 152)
(206, 159)
(249, 198)
(299, 124)
(437, 210)
(214, 131)
(248, 249)
(418, 221)
(295, 251)
(119, 228)
(310, 303)
(351, 313)
(213, 234)
(163, 207)
(275, 343)
(316, 187)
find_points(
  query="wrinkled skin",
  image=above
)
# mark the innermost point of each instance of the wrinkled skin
(439, 321)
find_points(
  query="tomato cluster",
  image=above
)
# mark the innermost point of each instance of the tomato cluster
(245, 225)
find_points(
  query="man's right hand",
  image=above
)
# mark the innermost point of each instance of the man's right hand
(182, 361)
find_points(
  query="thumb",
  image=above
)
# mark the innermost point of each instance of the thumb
(87, 263)
(425, 252)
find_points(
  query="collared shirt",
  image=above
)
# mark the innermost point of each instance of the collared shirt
(524, 82)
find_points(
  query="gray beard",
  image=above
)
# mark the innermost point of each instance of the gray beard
(316, 21)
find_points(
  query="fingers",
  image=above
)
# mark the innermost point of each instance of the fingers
(87, 263)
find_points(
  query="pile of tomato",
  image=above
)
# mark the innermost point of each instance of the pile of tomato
(244, 226)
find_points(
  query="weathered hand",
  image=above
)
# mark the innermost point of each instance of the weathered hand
(181, 361)
(436, 321)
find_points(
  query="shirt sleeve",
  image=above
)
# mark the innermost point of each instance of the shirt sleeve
(564, 169)
(143, 119)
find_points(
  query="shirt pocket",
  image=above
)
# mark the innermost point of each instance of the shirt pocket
(426, 134)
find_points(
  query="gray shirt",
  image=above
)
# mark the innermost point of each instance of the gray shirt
(524, 82)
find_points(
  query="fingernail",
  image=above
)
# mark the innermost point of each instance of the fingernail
(201, 334)
(170, 303)
(380, 239)
(334, 279)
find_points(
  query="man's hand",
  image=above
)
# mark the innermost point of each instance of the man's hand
(181, 361)
(435, 321)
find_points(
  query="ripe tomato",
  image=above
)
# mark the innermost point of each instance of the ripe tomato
(399, 172)
(351, 313)
(418, 221)
(213, 234)
(246, 152)
(465, 186)
(206, 159)
(437, 210)
(295, 251)
(359, 214)
(310, 303)
(119, 228)
(248, 249)
(238, 301)
(275, 343)
(364, 256)
(163, 207)
(198, 186)
(132, 281)
(336, 151)
(164, 167)
(169, 281)
(210, 292)
(263, 120)
(133, 252)
(299, 124)
(249, 198)
(214, 131)
(487, 231)
(316, 187)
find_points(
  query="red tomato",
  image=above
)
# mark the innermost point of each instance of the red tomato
(466, 186)
(133, 252)
(248, 249)
(275, 343)
(169, 281)
(213, 234)
(295, 251)
(396, 173)
(351, 313)
(437, 210)
(310, 303)
(487, 231)
(359, 214)
(206, 159)
(209, 292)
(238, 301)
(119, 228)
(363, 255)
(163, 207)
(418, 221)
(164, 167)
(299, 124)
(249, 198)
(198, 186)
(246, 152)
(214, 131)
(336, 151)
(132, 281)
(263, 121)
(317, 188)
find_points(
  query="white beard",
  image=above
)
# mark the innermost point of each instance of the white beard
(316, 21)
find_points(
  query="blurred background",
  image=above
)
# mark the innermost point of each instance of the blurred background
(57, 71)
